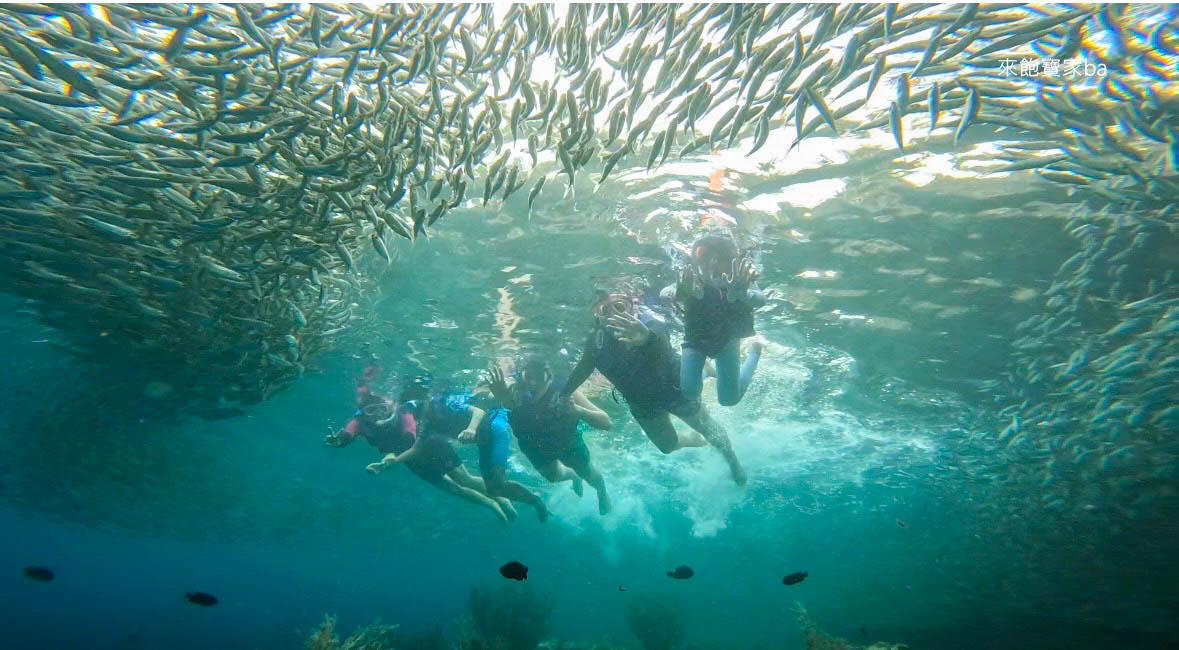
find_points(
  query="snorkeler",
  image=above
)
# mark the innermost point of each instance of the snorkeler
(546, 427)
(631, 349)
(391, 427)
(453, 416)
(717, 297)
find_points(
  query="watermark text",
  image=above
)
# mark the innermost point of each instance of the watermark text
(1068, 68)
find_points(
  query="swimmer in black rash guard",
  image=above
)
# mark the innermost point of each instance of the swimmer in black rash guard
(630, 347)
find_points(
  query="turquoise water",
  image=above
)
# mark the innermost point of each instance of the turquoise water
(861, 415)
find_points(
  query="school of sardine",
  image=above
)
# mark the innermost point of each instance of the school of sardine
(210, 188)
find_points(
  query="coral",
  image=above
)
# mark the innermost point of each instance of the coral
(369, 637)
(324, 638)
(510, 617)
(657, 625)
(817, 639)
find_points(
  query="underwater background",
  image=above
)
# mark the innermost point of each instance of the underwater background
(877, 434)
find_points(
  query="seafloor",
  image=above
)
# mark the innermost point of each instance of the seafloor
(511, 619)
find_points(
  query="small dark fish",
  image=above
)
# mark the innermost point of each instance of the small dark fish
(681, 573)
(38, 573)
(794, 578)
(201, 598)
(514, 571)
(223, 413)
(863, 631)
(620, 588)
(902, 524)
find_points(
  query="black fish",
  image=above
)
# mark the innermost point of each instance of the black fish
(514, 571)
(794, 578)
(681, 573)
(201, 598)
(901, 524)
(620, 588)
(863, 631)
(38, 573)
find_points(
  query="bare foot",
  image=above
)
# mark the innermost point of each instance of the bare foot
(503, 519)
(756, 346)
(542, 513)
(738, 475)
(578, 486)
(508, 509)
(603, 503)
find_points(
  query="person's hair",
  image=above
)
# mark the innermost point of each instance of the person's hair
(536, 363)
(715, 247)
(413, 392)
(367, 398)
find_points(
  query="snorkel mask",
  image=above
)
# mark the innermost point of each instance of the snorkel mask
(372, 406)
(613, 303)
(378, 411)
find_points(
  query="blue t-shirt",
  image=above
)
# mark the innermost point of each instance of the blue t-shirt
(448, 415)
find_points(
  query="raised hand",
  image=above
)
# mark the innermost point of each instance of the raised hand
(628, 329)
(334, 440)
(497, 382)
(743, 275)
(691, 283)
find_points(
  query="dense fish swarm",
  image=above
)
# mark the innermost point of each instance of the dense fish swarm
(201, 187)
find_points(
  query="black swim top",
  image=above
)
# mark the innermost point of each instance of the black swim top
(644, 375)
(712, 321)
(391, 437)
(544, 415)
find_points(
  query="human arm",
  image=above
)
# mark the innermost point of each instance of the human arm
(345, 436)
(385, 463)
(629, 329)
(593, 416)
(499, 386)
(689, 283)
(757, 297)
(391, 459)
(741, 283)
(338, 439)
(468, 434)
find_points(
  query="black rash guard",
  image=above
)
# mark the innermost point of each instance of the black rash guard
(647, 376)
(712, 321)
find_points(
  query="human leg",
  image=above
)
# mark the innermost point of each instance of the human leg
(551, 469)
(716, 436)
(728, 389)
(732, 376)
(579, 461)
(447, 484)
(498, 486)
(661, 431)
(493, 463)
(464, 478)
(752, 356)
(692, 371)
